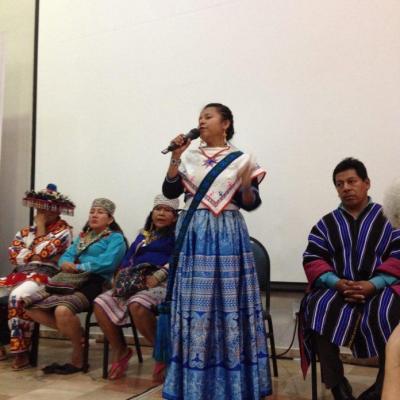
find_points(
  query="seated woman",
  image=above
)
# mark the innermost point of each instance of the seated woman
(153, 245)
(98, 250)
(34, 253)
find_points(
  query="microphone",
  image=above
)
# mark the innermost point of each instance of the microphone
(193, 134)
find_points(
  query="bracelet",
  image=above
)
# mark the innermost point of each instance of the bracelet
(172, 180)
(175, 162)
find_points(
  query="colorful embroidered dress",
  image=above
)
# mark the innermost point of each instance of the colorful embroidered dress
(219, 346)
(356, 250)
(45, 250)
(156, 252)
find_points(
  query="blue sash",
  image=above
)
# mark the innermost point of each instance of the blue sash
(162, 346)
(201, 192)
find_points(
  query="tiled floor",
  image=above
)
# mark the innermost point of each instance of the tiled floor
(31, 384)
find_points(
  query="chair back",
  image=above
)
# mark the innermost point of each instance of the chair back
(263, 268)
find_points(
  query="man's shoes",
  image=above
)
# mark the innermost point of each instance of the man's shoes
(343, 391)
(372, 393)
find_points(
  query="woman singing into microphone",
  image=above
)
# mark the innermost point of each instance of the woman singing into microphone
(217, 330)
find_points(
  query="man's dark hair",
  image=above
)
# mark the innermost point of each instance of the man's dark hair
(350, 163)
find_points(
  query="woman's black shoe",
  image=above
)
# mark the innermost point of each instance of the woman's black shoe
(51, 369)
(67, 369)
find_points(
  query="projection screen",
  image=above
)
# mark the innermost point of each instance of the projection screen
(309, 83)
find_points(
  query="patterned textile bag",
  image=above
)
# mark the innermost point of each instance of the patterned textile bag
(132, 280)
(162, 348)
(66, 282)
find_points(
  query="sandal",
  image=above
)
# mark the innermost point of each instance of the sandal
(21, 367)
(16, 366)
(118, 368)
(3, 353)
(159, 371)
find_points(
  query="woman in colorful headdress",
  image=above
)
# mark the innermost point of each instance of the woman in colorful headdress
(152, 247)
(89, 262)
(34, 253)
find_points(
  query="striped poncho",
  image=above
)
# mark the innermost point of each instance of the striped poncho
(353, 249)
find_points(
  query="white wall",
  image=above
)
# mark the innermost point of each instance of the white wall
(17, 30)
(1, 83)
(309, 82)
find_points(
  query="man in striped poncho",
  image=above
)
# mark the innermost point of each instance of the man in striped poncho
(352, 263)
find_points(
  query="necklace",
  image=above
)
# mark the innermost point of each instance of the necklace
(210, 161)
(149, 236)
(87, 238)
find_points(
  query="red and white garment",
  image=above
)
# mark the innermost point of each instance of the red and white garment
(26, 249)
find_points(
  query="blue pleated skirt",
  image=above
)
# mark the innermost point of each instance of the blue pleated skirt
(217, 329)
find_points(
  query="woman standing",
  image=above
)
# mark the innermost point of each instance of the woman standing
(217, 329)
(98, 250)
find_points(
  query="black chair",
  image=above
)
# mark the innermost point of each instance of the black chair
(4, 329)
(33, 355)
(106, 347)
(263, 268)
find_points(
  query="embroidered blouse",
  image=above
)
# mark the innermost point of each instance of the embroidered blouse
(226, 189)
(25, 245)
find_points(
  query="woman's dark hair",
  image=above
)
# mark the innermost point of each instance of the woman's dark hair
(350, 163)
(226, 115)
(168, 230)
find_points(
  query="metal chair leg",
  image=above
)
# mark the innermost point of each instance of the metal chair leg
(106, 349)
(33, 354)
(136, 338)
(272, 342)
(85, 367)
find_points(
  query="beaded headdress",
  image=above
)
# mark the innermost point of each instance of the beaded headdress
(50, 200)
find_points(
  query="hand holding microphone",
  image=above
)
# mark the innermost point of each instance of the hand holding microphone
(182, 142)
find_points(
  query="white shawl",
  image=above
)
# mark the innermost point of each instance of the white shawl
(194, 168)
